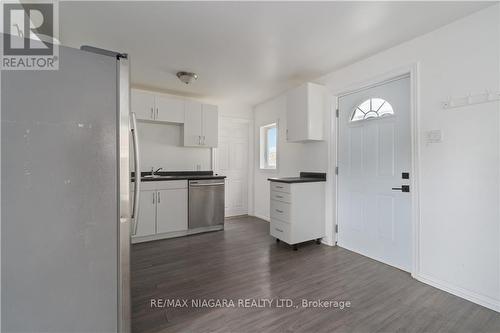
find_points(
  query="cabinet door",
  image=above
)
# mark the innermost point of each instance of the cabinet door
(172, 210)
(169, 109)
(142, 103)
(210, 120)
(296, 114)
(147, 214)
(192, 124)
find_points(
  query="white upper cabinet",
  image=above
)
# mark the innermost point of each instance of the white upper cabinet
(193, 124)
(201, 121)
(210, 121)
(157, 107)
(169, 109)
(305, 109)
(201, 125)
(143, 104)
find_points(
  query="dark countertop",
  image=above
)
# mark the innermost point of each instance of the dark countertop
(305, 177)
(178, 175)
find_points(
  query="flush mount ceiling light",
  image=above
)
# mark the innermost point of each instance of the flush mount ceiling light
(187, 77)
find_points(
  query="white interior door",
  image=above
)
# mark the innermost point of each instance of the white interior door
(232, 161)
(374, 150)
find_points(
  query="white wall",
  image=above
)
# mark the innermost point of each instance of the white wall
(161, 146)
(460, 177)
(292, 157)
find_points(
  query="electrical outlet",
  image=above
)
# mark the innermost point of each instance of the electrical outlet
(434, 136)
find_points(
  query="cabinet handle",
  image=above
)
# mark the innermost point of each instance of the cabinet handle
(203, 140)
(154, 198)
(279, 196)
(279, 211)
(152, 114)
(199, 140)
(156, 113)
(159, 196)
(278, 229)
(279, 186)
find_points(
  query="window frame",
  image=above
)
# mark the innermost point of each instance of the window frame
(263, 149)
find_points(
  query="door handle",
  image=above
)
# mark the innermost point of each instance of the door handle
(207, 184)
(137, 167)
(403, 188)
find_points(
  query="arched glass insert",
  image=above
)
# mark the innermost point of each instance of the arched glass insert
(372, 108)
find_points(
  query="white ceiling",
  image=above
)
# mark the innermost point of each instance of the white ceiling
(248, 51)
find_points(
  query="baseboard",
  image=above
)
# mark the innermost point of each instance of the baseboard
(265, 218)
(469, 295)
(327, 242)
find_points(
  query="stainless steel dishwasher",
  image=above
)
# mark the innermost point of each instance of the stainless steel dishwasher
(206, 204)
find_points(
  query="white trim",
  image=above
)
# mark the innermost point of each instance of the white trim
(469, 295)
(398, 73)
(262, 217)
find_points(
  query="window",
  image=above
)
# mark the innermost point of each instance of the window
(269, 146)
(372, 108)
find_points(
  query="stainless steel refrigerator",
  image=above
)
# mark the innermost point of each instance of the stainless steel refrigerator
(65, 195)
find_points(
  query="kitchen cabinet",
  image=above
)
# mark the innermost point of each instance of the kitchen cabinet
(201, 125)
(305, 109)
(193, 124)
(143, 104)
(163, 211)
(147, 214)
(172, 210)
(157, 107)
(297, 211)
(169, 109)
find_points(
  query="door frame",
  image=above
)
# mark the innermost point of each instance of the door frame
(413, 71)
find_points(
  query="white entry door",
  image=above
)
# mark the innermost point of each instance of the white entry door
(374, 160)
(232, 161)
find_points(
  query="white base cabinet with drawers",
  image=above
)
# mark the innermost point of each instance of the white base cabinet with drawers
(163, 211)
(297, 211)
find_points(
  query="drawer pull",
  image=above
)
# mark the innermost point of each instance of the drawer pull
(279, 230)
(279, 186)
(279, 196)
(279, 211)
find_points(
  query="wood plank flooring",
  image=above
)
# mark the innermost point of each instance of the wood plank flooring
(245, 262)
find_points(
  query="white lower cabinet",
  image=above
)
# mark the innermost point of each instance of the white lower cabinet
(147, 214)
(163, 211)
(297, 211)
(171, 210)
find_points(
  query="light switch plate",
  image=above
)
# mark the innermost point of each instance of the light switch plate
(434, 136)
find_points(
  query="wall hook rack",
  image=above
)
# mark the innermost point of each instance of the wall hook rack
(471, 99)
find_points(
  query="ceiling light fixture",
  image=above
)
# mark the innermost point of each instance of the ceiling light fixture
(187, 77)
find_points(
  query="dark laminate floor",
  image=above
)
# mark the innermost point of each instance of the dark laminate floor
(245, 262)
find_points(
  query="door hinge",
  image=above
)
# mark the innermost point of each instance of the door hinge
(337, 113)
(336, 170)
(337, 228)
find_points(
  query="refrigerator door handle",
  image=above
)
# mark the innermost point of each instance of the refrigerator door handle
(137, 173)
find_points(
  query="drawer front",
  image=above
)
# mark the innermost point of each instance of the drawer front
(162, 185)
(280, 187)
(281, 196)
(280, 211)
(280, 230)
(171, 184)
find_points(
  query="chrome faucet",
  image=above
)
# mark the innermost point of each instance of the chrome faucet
(153, 173)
